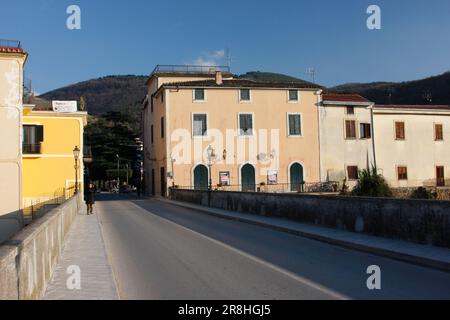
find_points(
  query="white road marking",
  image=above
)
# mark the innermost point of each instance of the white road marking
(269, 265)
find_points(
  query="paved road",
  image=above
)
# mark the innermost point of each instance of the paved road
(162, 251)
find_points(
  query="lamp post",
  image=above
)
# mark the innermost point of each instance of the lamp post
(211, 156)
(76, 156)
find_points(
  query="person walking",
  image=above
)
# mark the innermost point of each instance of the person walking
(90, 198)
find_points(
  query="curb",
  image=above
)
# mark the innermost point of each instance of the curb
(420, 261)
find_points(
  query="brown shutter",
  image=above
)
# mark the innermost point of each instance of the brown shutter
(400, 130)
(439, 134)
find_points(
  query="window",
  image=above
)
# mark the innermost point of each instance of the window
(365, 132)
(151, 104)
(246, 124)
(352, 172)
(199, 125)
(350, 129)
(199, 94)
(440, 178)
(33, 136)
(294, 125)
(399, 131)
(402, 173)
(350, 110)
(438, 132)
(162, 127)
(244, 95)
(293, 95)
(151, 134)
(162, 96)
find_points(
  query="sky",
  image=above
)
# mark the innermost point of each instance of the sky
(285, 36)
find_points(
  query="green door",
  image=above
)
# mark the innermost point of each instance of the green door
(200, 178)
(248, 178)
(296, 173)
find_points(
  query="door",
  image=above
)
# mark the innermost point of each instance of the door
(153, 182)
(440, 179)
(296, 174)
(163, 181)
(200, 178)
(248, 178)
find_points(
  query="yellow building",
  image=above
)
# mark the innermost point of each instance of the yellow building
(260, 135)
(49, 141)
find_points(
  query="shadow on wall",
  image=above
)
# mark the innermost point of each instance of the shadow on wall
(10, 224)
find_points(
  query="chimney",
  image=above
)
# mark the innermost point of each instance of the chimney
(219, 79)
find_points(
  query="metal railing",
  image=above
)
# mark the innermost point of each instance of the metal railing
(160, 68)
(34, 148)
(309, 187)
(10, 43)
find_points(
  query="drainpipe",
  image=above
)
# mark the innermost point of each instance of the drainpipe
(319, 102)
(373, 137)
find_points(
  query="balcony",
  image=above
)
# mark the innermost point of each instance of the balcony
(183, 69)
(10, 46)
(35, 148)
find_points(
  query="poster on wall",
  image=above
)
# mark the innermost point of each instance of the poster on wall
(272, 177)
(224, 178)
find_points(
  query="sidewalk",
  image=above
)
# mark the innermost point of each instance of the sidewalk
(428, 256)
(84, 248)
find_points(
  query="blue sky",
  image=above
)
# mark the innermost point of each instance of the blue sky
(131, 37)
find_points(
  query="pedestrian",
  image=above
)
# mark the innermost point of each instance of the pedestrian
(90, 198)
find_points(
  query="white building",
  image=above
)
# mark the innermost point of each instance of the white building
(346, 144)
(412, 144)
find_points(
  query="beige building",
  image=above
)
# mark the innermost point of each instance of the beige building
(412, 144)
(259, 135)
(12, 60)
(346, 144)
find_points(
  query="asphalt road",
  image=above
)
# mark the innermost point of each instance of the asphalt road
(162, 251)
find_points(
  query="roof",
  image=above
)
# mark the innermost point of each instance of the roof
(11, 50)
(344, 98)
(238, 83)
(413, 107)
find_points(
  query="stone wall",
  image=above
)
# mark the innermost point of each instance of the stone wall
(420, 221)
(27, 260)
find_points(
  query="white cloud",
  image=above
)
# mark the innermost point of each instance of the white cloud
(211, 58)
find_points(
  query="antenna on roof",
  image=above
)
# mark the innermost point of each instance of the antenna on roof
(228, 56)
(427, 96)
(312, 73)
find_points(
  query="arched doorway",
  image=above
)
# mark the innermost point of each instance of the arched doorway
(296, 176)
(248, 178)
(200, 177)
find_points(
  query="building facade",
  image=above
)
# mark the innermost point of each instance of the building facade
(12, 60)
(49, 141)
(412, 144)
(346, 131)
(208, 129)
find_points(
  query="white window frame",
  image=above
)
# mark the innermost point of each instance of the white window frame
(250, 95)
(204, 97)
(301, 125)
(192, 125)
(293, 101)
(239, 125)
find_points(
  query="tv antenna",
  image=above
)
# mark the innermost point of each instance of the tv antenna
(228, 57)
(312, 73)
(427, 96)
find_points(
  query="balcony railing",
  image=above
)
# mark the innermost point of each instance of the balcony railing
(34, 148)
(10, 43)
(189, 69)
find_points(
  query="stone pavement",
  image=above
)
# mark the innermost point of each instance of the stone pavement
(84, 248)
(424, 255)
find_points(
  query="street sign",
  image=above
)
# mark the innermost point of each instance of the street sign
(64, 106)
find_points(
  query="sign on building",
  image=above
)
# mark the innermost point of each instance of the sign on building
(64, 106)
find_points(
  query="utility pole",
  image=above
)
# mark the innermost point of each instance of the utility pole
(118, 173)
(127, 172)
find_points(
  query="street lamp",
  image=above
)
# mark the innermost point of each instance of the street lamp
(211, 156)
(76, 156)
(118, 173)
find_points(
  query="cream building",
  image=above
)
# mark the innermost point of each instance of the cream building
(262, 135)
(412, 144)
(12, 60)
(346, 144)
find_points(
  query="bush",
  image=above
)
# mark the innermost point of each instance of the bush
(371, 184)
(423, 193)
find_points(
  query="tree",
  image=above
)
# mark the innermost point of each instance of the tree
(371, 184)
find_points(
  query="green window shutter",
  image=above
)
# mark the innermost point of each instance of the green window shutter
(39, 134)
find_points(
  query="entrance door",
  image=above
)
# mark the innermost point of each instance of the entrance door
(153, 182)
(248, 178)
(296, 173)
(440, 179)
(200, 178)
